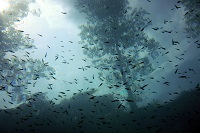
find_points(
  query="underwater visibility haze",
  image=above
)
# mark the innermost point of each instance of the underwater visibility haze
(103, 66)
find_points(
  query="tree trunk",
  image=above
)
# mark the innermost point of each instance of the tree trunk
(127, 86)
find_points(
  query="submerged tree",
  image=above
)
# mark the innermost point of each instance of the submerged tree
(192, 17)
(114, 38)
(18, 71)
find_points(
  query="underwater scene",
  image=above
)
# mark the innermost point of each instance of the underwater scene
(99, 66)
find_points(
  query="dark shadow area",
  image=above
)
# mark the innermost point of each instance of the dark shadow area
(85, 113)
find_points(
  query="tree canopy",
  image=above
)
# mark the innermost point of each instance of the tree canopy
(114, 37)
(17, 71)
(192, 17)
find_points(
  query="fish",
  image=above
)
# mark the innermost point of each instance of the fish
(129, 100)
(10, 102)
(125, 83)
(115, 101)
(63, 12)
(177, 7)
(116, 85)
(119, 106)
(53, 77)
(20, 30)
(165, 21)
(92, 97)
(100, 84)
(143, 86)
(165, 53)
(151, 77)
(34, 83)
(174, 42)
(142, 29)
(166, 31)
(125, 11)
(39, 35)
(176, 71)
(60, 96)
(186, 13)
(156, 28)
(183, 77)
(167, 83)
(62, 92)
(2, 88)
(80, 122)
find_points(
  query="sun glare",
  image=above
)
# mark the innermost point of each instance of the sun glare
(3, 5)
